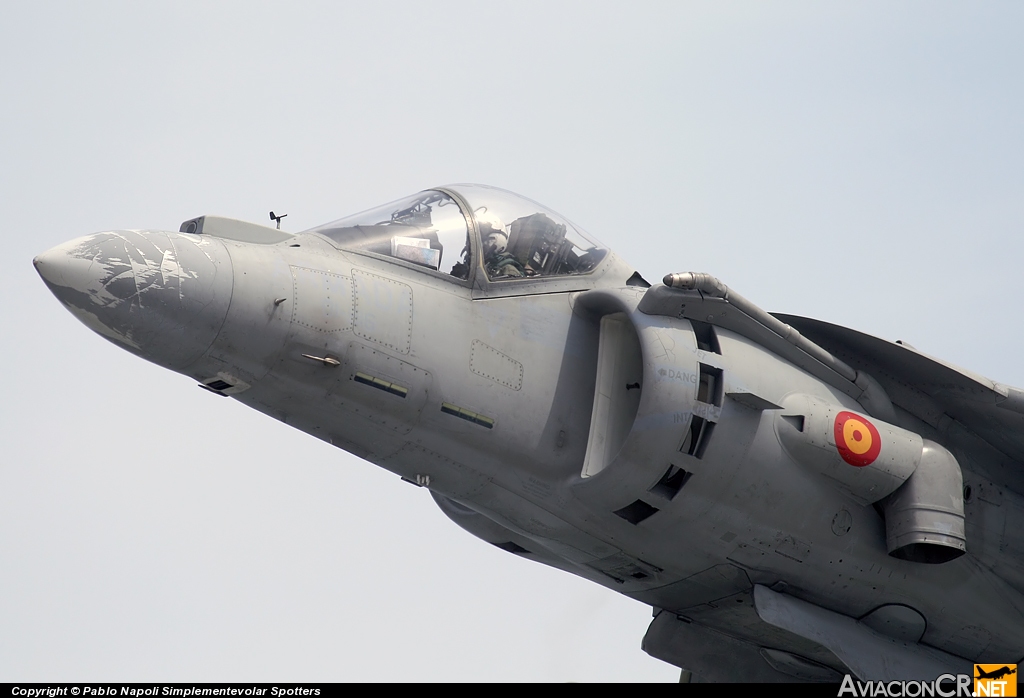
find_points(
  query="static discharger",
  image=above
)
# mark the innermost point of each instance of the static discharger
(381, 384)
(468, 415)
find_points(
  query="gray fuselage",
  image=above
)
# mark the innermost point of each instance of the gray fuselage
(676, 487)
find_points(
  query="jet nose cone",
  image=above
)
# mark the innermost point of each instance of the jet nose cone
(38, 262)
(58, 267)
(49, 264)
(163, 296)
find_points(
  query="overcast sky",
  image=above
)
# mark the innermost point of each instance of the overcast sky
(854, 162)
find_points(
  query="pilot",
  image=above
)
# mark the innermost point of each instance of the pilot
(497, 260)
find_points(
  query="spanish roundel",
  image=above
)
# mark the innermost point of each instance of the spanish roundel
(857, 439)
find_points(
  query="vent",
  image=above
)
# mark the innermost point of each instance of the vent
(511, 547)
(697, 438)
(381, 384)
(797, 420)
(224, 384)
(671, 482)
(637, 511)
(707, 338)
(709, 389)
(468, 415)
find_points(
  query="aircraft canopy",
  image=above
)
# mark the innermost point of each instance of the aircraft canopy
(517, 238)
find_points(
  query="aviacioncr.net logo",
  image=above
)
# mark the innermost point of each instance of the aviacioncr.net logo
(946, 686)
(999, 680)
(995, 679)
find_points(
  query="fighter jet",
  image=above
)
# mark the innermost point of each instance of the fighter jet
(795, 500)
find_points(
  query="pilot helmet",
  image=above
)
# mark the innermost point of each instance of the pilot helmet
(495, 242)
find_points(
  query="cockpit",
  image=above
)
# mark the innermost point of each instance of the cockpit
(457, 229)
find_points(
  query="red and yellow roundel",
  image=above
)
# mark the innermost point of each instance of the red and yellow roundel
(857, 439)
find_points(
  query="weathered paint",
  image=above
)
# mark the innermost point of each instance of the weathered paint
(515, 363)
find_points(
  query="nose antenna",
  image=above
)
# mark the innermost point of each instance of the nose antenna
(277, 218)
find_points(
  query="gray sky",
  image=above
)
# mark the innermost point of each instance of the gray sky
(859, 163)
